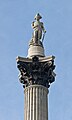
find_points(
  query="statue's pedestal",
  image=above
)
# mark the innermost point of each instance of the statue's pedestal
(35, 50)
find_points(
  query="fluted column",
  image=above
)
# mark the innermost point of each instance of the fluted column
(36, 107)
(31, 103)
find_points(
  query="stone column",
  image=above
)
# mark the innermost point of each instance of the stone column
(36, 107)
(36, 75)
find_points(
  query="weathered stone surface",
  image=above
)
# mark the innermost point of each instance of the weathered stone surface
(36, 71)
(36, 105)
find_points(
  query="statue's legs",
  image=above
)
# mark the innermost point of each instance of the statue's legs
(37, 36)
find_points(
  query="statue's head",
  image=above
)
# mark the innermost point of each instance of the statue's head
(37, 16)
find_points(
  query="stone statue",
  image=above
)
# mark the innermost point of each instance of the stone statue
(38, 29)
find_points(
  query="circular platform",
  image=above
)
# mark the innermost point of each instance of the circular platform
(35, 51)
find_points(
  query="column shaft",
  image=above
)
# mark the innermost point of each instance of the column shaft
(36, 103)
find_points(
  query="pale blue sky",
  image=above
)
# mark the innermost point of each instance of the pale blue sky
(15, 32)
